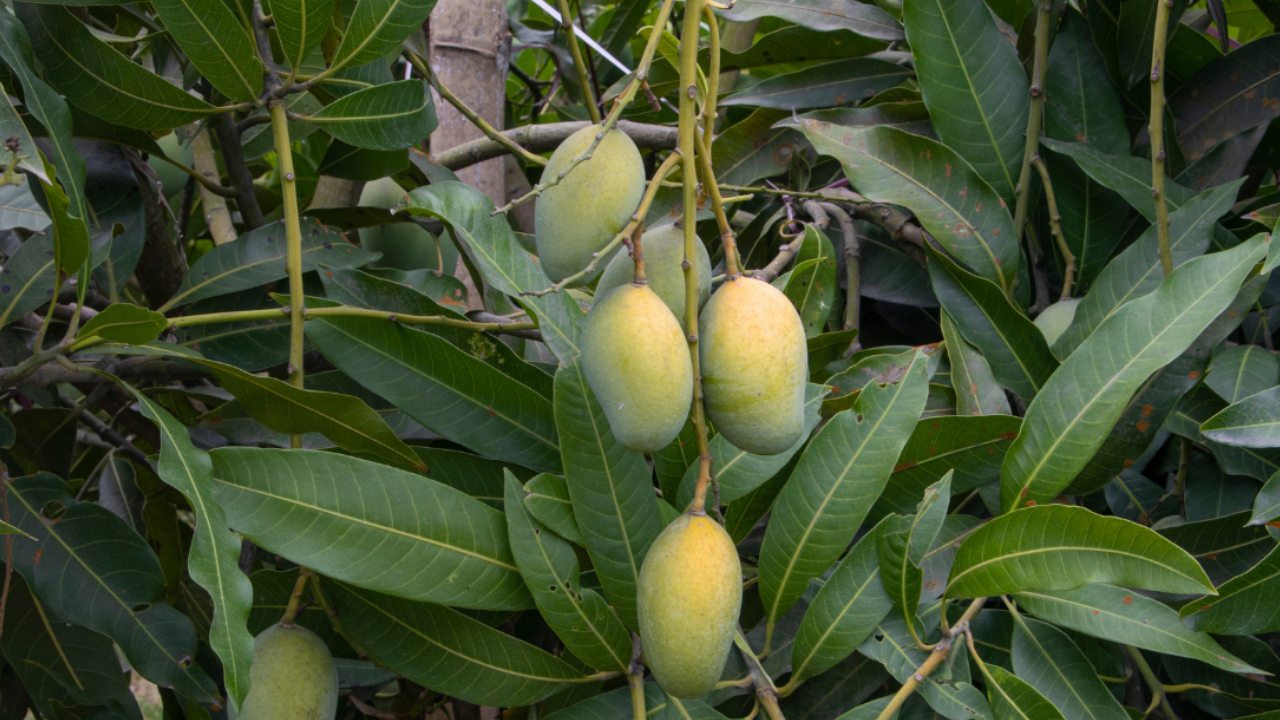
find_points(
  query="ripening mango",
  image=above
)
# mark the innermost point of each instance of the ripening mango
(689, 597)
(292, 677)
(575, 219)
(404, 246)
(637, 363)
(663, 250)
(754, 364)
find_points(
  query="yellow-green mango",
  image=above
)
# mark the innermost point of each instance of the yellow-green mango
(404, 246)
(637, 363)
(689, 597)
(292, 677)
(576, 218)
(663, 250)
(754, 364)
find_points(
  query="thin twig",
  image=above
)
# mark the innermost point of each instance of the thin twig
(635, 679)
(852, 266)
(1035, 118)
(766, 691)
(580, 65)
(1156, 129)
(238, 172)
(1055, 227)
(295, 598)
(732, 263)
(936, 658)
(1157, 689)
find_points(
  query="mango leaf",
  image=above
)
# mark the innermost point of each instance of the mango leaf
(1013, 699)
(845, 466)
(1266, 506)
(1225, 546)
(301, 25)
(1225, 97)
(975, 89)
(845, 611)
(1137, 271)
(901, 576)
(1244, 604)
(92, 569)
(976, 390)
(1137, 37)
(504, 264)
(1241, 371)
(251, 345)
(1233, 694)
(125, 323)
(612, 493)
(258, 257)
(443, 649)
(100, 80)
(215, 550)
(1127, 175)
(952, 697)
(1196, 408)
(384, 117)
(1251, 422)
(824, 15)
(812, 287)
(397, 525)
(376, 28)
(1055, 547)
(11, 126)
(826, 85)
(580, 617)
(28, 279)
(889, 165)
(929, 516)
(1019, 357)
(71, 247)
(216, 43)
(1048, 661)
(546, 497)
(1119, 615)
(1064, 425)
(1078, 108)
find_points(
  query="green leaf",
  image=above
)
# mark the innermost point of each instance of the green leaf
(824, 15)
(443, 387)
(812, 289)
(1266, 506)
(580, 617)
(505, 265)
(1058, 547)
(1225, 98)
(1119, 615)
(1137, 271)
(929, 516)
(1013, 699)
(952, 697)
(976, 390)
(1241, 371)
(258, 257)
(100, 80)
(671, 462)
(901, 576)
(352, 163)
(845, 612)
(1127, 175)
(216, 43)
(92, 569)
(377, 27)
(1233, 695)
(975, 88)
(612, 493)
(889, 165)
(826, 85)
(251, 345)
(301, 25)
(1078, 107)
(395, 525)
(546, 497)
(844, 468)
(11, 126)
(1067, 423)
(441, 648)
(1048, 661)
(215, 550)
(70, 234)
(1225, 547)
(394, 116)
(1196, 408)
(28, 278)
(794, 44)
(1245, 604)
(1093, 217)
(1137, 37)
(1251, 422)
(1019, 357)
(125, 323)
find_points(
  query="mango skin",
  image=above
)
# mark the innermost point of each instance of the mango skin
(663, 250)
(404, 246)
(689, 598)
(292, 677)
(576, 218)
(754, 363)
(637, 363)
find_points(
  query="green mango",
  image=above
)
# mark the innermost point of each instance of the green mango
(404, 246)
(292, 677)
(663, 250)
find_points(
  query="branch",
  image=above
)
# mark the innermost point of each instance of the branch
(543, 138)
(106, 432)
(237, 171)
(293, 252)
(1156, 130)
(1055, 227)
(852, 266)
(936, 658)
(766, 692)
(216, 214)
(1035, 119)
(1158, 696)
(584, 80)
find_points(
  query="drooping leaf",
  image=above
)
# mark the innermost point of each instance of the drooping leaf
(1244, 605)
(826, 85)
(1057, 547)
(28, 279)
(1013, 699)
(824, 15)
(952, 697)
(811, 287)
(1266, 506)
(125, 323)
(580, 617)
(1125, 174)
(1067, 423)
(92, 569)
(1014, 347)
(100, 80)
(441, 648)
(403, 533)
(216, 43)
(1227, 97)
(975, 89)
(901, 576)
(376, 28)
(845, 466)
(215, 550)
(11, 126)
(1251, 422)
(546, 497)
(888, 165)
(1048, 661)
(1244, 370)
(1137, 37)
(384, 117)
(70, 234)
(251, 345)
(1080, 106)
(976, 390)
(301, 25)
(1196, 408)
(1232, 694)
(1225, 546)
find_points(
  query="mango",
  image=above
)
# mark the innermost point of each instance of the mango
(754, 362)
(404, 246)
(663, 250)
(637, 363)
(292, 677)
(1056, 318)
(689, 597)
(576, 218)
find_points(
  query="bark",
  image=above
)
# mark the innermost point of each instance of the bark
(542, 138)
(216, 214)
(332, 192)
(162, 264)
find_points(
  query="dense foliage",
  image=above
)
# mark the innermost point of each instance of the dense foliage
(1038, 465)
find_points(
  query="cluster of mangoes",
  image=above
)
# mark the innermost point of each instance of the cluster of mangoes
(635, 355)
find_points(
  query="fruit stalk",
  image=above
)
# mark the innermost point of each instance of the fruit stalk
(571, 35)
(1157, 133)
(295, 598)
(637, 254)
(732, 268)
(713, 82)
(293, 246)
